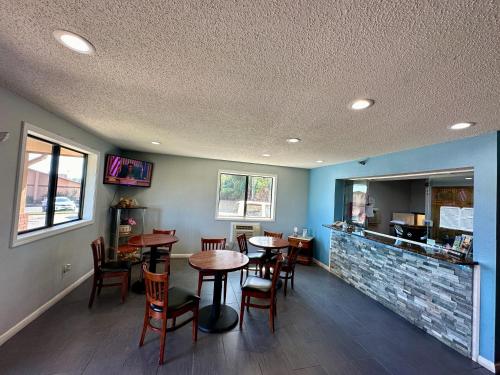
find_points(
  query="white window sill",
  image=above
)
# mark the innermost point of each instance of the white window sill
(23, 239)
(252, 219)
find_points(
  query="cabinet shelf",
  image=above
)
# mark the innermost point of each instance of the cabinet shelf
(119, 241)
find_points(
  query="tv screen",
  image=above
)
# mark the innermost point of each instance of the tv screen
(127, 172)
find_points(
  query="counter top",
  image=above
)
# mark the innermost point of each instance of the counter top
(405, 246)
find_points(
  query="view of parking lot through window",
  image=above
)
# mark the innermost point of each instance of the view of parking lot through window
(37, 181)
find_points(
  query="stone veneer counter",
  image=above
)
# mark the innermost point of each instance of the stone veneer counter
(433, 294)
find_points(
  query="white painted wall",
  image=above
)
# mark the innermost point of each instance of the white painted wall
(30, 275)
(183, 196)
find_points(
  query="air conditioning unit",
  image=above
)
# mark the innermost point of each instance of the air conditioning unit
(249, 229)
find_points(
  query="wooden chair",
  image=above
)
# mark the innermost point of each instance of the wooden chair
(163, 303)
(256, 259)
(288, 267)
(261, 288)
(107, 270)
(208, 244)
(164, 251)
(273, 234)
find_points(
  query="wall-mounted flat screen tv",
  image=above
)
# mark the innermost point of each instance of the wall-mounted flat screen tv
(127, 172)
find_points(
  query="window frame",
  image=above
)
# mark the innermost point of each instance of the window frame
(52, 187)
(244, 217)
(87, 193)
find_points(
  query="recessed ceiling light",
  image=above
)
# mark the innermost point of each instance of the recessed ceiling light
(319, 161)
(74, 42)
(362, 104)
(155, 142)
(461, 125)
(293, 140)
(468, 178)
(266, 155)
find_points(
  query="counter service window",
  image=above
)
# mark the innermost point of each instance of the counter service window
(432, 208)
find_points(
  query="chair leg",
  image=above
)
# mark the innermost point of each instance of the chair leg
(271, 317)
(200, 281)
(195, 323)
(248, 303)
(242, 310)
(144, 327)
(99, 287)
(92, 293)
(124, 287)
(163, 338)
(261, 266)
(286, 283)
(225, 287)
(241, 277)
(129, 278)
(173, 322)
(293, 276)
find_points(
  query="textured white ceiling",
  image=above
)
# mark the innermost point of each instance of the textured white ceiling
(233, 79)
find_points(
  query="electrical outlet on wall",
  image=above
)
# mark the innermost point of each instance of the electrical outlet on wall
(66, 268)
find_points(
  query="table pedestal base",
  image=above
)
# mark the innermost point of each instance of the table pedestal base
(139, 287)
(226, 321)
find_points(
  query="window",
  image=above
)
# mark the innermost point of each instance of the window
(355, 201)
(52, 185)
(246, 196)
(53, 182)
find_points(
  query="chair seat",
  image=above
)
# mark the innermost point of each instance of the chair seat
(178, 298)
(256, 256)
(254, 283)
(120, 266)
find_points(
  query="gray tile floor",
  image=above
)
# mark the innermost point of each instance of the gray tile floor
(324, 326)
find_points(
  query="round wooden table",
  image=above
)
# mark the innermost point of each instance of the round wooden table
(268, 244)
(217, 317)
(152, 241)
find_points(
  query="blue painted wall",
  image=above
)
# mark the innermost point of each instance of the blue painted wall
(479, 152)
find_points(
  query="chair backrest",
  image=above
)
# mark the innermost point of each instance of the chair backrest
(170, 232)
(293, 252)
(273, 234)
(242, 243)
(213, 244)
(276, 274)
(98, 253)
(156, 288)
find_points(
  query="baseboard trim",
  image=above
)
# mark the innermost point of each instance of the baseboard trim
(489, 365)
(322, 265)
(179, 256)
(47, 305)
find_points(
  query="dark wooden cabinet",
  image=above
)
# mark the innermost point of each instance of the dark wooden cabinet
(305, 246)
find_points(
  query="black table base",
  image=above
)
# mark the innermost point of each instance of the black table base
(139, 286)
(217, 317)
(227, 320)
